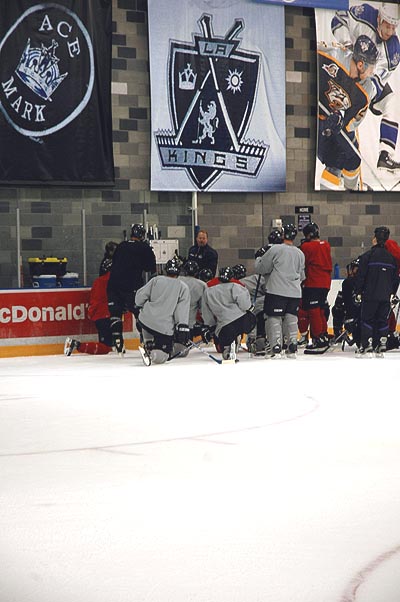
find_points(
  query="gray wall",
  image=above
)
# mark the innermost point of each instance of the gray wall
(237, 223)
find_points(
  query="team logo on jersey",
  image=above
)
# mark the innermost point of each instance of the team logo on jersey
(212, 90)
(338, 98)
(46, 70)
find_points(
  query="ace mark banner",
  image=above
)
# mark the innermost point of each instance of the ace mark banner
(55, 93)
(217, 79)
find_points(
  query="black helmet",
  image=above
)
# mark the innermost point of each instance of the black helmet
(311, 230)
(205, 274)
(381, 234)
(172, 267)
(275, 237)
(138, 231)
(225, 274)
(289, 232)
(365, 50)
(191, 268)
(239, 271)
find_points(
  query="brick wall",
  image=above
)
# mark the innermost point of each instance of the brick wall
(51, 219)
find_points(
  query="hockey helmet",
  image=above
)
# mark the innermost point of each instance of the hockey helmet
(311, 231)
(225, 274)
(389, 13)
(191, 268)
(138, 231)
(172, 267)
(205, 274)
(239, 271)
(289, 232)
(381, 234)
(365, 50)
(275, 237)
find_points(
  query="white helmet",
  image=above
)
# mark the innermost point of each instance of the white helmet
(389, 13)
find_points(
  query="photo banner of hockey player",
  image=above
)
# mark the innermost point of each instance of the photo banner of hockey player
(55, 93)
(217, 77)
(358, 98)
(335, 4)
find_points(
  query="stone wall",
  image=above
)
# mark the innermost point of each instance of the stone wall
(51, 219)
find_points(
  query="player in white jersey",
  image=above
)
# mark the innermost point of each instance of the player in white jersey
(379, 25)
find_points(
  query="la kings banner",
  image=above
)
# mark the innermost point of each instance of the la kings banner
(217, 95)
(55, 96)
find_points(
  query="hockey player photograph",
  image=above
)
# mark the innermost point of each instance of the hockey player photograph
(377, 130)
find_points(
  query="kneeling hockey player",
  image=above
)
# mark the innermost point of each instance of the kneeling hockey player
(228, 307)
(164, 304)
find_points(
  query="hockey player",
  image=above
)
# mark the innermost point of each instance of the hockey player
(345, 312)
(255, 284)
(196, 290)
(283, 266)
(345, 92)
(228, 307)
(205, 275)
(164, 305)
(316, 286)
(376, 281)
(131, 258)
(380, 25)
(99, 313)
(106, 262)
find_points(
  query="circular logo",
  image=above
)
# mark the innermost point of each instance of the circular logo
(46, 70)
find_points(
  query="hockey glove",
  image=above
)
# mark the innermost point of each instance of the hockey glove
(182, 334)
(333, 124)
(207, 334)
(251, 309)
(394, 300)
(260, 252)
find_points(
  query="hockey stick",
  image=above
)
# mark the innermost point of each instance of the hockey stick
(257, 287)
(196, 346)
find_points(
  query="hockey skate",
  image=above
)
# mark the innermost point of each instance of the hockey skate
(303, 340)
(291, 351)
(118, 345)
(275, 352)
(145, 355)
(318, 346)
(229, 354)
(70, 345)
(365, 350)
(381, 348)
(385, 161)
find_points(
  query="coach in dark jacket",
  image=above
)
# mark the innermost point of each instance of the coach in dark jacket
(203, 254)
(375, 282)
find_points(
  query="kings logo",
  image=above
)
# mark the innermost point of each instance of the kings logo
(46, 70)
(212, 90)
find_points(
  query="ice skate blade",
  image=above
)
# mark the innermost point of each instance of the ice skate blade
(145, 357)
(233, 361)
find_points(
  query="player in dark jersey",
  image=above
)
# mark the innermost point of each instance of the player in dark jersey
(345, 92)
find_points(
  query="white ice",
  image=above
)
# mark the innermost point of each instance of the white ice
(264, 481)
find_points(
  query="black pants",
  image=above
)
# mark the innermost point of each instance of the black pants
(231, 331)
(104, 331)
(119, 302)
(374, 321)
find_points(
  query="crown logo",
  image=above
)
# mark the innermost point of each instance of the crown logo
(38, 69)
(187, 78)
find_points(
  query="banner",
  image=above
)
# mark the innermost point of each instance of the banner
(358, 98)
(55, 93)
(217, 78)
(45, 313)
(336, 4)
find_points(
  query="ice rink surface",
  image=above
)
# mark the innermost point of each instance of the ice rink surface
(264, 481)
